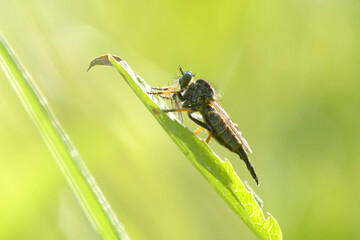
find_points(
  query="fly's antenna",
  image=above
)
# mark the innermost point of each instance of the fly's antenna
(182, 72)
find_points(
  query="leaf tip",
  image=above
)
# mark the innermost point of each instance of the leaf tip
(103, 60)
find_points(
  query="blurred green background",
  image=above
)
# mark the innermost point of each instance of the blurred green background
(289, 73)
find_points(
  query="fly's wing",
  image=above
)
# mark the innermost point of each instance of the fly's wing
(233, 126)
(175, 103)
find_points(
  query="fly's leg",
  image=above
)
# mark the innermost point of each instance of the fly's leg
(202, 124)
(179, 110)
(166, 97)
(165, 88)
(199, 130)
(176, 100)
(208, 139)
(162, 92)
(176, 94)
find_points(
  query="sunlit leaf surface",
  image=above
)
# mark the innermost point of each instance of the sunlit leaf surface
(67, 157)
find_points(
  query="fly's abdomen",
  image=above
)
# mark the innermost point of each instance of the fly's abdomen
(226, 137)
(221, 132)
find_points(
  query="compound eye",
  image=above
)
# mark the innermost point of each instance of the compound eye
(185, 79)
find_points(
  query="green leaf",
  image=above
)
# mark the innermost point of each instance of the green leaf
(219, 173)
(68, 159)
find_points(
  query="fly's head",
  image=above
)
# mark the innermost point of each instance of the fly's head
(185, 79)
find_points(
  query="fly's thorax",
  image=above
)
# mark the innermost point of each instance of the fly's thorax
(199, 94)
(205, 89)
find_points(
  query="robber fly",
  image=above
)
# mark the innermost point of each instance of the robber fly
(199, 96)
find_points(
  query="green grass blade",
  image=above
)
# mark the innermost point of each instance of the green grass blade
(219, 174)
(76, 173)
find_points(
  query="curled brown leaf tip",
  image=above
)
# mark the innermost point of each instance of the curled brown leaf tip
(103, 60)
